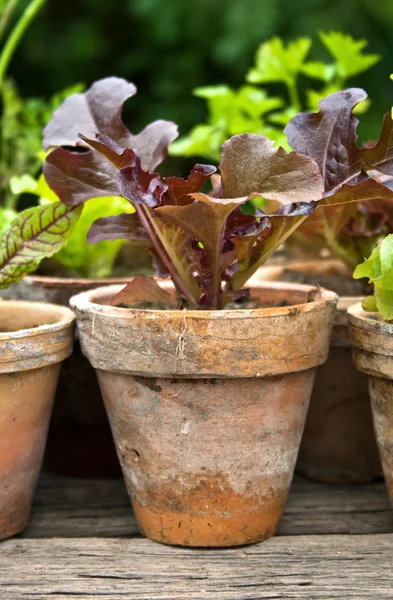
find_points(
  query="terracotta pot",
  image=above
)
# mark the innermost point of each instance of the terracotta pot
(338, 444)
(80, 442)
(372, 347)
(207, 408)
(34, 340)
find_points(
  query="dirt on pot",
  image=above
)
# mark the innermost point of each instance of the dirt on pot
(372, 346)
(29, 368)
(207, 407)
(80, 442)
(338, 444)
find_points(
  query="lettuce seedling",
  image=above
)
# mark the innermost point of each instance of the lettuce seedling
(378, 269)
(203, 239)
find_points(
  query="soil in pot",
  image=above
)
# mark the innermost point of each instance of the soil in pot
(39, 338)
(207, 408)
(372, 345)
(338, 444)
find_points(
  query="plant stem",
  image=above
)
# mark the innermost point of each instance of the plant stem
(6, 15)
(162, 255)
(16, 34)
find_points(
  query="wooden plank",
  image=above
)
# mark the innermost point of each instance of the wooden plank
(82, 508)
(298, 567)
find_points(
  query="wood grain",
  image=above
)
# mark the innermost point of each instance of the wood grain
(307, 567)
(83, 508)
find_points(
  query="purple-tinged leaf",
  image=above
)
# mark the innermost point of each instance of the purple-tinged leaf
(77, 177)
(329, 137)
(366, 221)
(239, 223)
(144, 291)
(204, 220)
(98, 111)
(126, 226)
(105, 170)
(179, 189)
(366, 189)
(275, 230)
(135, 184)
(250, 164)
(380, 156)
(290, 210)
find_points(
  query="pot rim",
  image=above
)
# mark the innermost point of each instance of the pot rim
(369, 321)
(85, 302)
(193, 343)
(65, 319)
(319, 265)
(82, 282)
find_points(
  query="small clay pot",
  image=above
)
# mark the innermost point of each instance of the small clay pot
(372, 349)
(80, 442)
(34, 340)
(338, 444)
(207, 407)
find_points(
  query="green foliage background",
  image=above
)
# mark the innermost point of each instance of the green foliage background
(168, 47)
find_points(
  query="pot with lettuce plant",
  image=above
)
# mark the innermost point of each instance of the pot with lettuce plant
(371, 334)
(79, 415)
(206, 384)
(338, 443)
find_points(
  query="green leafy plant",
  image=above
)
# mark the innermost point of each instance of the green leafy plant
(378, 269)
(252, 110)
(204, 241)
(20, 123)
(36, 233)
(77, 256)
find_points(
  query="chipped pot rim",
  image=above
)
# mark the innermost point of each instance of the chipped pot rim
(85, 302)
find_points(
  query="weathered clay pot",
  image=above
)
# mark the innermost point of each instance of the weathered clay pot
(207, 408)
(34, 340)
(80, 442)
(338, 444)
(372, 348)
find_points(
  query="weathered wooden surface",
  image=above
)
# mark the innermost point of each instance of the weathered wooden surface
(86, 547)
(82, 508)
(308, 567)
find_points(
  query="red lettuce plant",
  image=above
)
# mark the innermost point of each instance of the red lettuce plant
(205, 241)
(349, 230)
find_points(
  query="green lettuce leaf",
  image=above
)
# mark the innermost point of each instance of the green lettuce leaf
(378, 269)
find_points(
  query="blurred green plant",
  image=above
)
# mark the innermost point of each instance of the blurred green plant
(21, 158)
(20, 123)
(252, 109)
